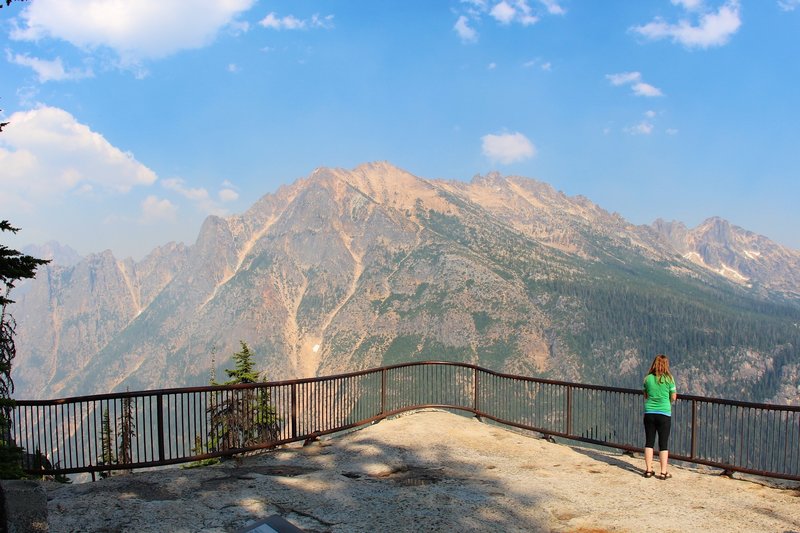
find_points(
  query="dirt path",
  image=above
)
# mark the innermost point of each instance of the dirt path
(430, 471)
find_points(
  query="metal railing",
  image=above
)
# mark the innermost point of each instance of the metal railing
(130, 430)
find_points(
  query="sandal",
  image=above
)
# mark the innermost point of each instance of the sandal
(664, 475)
(649, 473)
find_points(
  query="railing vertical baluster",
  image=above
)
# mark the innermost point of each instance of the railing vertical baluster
(568, 428)
(475, 404)
(76, 433)
(83, 440)
(63, 429)
(383, 391)
(293, 406)
(160, 426)
(693, 451)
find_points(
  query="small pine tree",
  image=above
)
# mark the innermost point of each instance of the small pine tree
(267, 427)
(244, 371)
(127, 427)
(244, 417)
(106, 449)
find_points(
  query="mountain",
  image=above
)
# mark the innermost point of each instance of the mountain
(55, 252)
(735, 253)
(346, 270)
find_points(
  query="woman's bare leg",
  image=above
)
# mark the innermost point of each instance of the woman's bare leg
(663, 458)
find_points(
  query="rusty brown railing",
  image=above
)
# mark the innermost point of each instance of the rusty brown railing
(130, 430)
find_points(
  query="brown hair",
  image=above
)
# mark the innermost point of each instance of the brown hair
(660, 368)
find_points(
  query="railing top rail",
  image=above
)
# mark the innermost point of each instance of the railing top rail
(211, 388)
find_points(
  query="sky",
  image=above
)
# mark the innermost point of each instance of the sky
(131, 122)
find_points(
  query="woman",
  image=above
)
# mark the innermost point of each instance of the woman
(659, 395)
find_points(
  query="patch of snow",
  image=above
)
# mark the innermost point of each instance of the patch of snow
(731, 273)
(695, 258)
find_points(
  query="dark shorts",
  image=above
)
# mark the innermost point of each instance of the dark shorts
(660, 424)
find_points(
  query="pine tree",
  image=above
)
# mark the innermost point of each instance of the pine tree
(244, 371)
(241, 418)
(127, 427)
(106, 438)
(14, 266)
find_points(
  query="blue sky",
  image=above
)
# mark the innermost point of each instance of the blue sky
(130, 122)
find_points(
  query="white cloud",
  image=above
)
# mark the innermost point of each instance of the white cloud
(713, 28)
(290, 22)
(477, 4)
(503, 12)
(546, 65)
(144, 29)
(634, 79)
(491, 66)
(507, 148)
(48, 70)
(788, 5)
(642, 128)
(623, 78)
(553, 8)
(464, 31)
(179, 186)
(318, 21)
(519, 11)
(672, 131)
(200, 196)
(233, 68)
(238, 27)
(645, 89)
(689, 5)
(158, 210)
(650, 113)
(228, 195)
(46, 153)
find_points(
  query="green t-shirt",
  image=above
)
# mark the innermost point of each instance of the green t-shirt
(658, 394)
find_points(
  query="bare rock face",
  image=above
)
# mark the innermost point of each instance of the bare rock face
(429, 470)
(350, 269)
(736, 254)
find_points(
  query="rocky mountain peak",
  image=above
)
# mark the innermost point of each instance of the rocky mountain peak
(489, 179)
(56, 252)
(739, 255)
(348, 269)
(720, 231)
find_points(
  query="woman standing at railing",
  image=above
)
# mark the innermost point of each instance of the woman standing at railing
(659, 395)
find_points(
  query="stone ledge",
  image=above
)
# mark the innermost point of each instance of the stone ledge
(24, 506)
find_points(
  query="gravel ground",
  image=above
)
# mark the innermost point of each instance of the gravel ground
(427, 471)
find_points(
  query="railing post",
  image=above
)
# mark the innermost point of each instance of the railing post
(160, 423)
(475, 403)
(294, 410)
(383, 390)
(568, 421)
(694, 430)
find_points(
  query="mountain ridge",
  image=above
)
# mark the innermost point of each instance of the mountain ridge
(342, 270)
